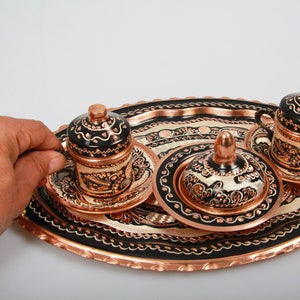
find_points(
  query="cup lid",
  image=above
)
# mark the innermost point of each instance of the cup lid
(289, 111)
(98, 133)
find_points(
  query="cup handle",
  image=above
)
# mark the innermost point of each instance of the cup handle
(259, 121)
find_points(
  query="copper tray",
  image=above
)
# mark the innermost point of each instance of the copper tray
(146, 237)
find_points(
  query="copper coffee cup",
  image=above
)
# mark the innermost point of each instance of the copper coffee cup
(284, 132)
(101, 145)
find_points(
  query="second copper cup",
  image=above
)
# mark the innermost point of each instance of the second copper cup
(285, 132)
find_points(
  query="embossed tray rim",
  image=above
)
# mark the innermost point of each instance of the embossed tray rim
(158, 264)
(155, 264)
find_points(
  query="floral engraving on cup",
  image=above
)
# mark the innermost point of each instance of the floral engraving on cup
(140, 165)
(106, 181)
(286, 154)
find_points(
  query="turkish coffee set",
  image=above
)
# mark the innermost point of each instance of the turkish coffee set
(179, 184)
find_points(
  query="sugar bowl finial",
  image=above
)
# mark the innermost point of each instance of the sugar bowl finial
(225, 147)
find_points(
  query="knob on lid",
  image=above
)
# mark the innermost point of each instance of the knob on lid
(224, 147)
(97, 113)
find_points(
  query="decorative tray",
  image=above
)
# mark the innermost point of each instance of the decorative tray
(146, 236)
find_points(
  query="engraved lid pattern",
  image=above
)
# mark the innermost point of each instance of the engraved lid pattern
(289, 112)
(226, 178)
(209, 187)
(181, 208)
(99, 133)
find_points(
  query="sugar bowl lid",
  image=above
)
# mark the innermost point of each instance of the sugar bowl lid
(98, 133)
(217, 186)
(224, 181)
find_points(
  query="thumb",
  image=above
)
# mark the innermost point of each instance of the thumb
(34, 166)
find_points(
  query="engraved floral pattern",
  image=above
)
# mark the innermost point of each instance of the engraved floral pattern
(214, 195)
(106, 181)
(286, 154)
(132, 238)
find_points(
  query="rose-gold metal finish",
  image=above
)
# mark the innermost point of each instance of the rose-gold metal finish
(260, 242)
(258, 140)
(238, 209)
(88, 206)
(285, 136)
(103, 160)
(97, 113)
(213, 200)
(141, 263)
(189, 111)
(101, 147)
(225, 147)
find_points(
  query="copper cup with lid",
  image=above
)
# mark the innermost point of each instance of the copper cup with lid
(101, 145)
(284, 132)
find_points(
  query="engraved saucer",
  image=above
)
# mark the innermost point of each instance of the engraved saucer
(258, 141)
(63, 188)
(217, 186)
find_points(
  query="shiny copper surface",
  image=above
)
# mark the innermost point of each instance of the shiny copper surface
(97, 113)
(238, 209)
(142, 263)
(285, 134)
(219, 206)
(224, 147)
(146, 237)
(101, 146)
(88, 206)
(104, 161)
(258, 140)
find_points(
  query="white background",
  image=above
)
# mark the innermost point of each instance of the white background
(58, 57)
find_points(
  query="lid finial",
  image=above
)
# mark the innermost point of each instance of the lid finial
(97, 113)
(225, 147)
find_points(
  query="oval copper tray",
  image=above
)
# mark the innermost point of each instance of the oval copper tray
(146, 237)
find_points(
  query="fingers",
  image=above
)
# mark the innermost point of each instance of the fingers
(27, 156)
(19, 135)
(33, 167)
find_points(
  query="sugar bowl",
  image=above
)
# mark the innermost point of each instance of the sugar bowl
(218, 186)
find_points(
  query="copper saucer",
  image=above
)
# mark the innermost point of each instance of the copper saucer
(166, 188)
(258, 140)
(62, 186)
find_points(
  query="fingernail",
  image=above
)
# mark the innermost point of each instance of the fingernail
(56, 164)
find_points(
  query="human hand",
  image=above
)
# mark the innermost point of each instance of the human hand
(27, 156)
